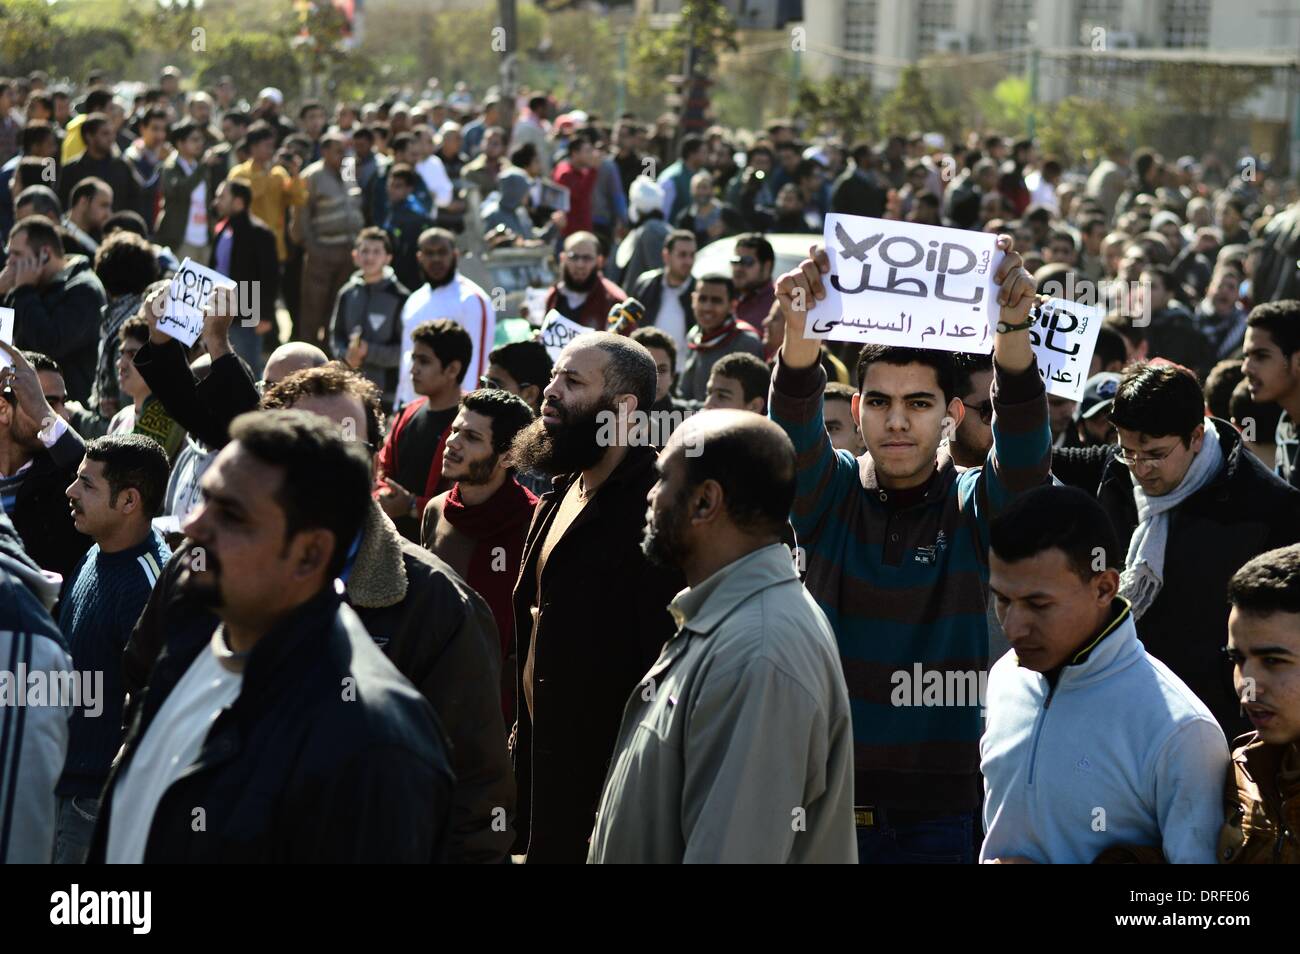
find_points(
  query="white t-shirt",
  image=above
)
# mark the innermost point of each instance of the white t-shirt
(463, 302)
(196, 227)
(671, 320)
(168, 748)
(436, 180)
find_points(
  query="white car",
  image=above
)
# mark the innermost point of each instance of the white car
(791, 248)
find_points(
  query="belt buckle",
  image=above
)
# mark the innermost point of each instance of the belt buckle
(864, 816)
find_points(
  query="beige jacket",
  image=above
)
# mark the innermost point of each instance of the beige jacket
(737, 745)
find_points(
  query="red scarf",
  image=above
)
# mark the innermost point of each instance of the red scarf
(500, 521)
(720, 335)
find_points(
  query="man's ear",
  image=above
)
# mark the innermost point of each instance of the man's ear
(956, 412)
(311, 552)
(707, 503)
(128, 501)
(1106, 586)
(758, 405)
(531, 394)
(855, 410)
(504, 461)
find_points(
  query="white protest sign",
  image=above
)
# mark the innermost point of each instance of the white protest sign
(535, 302)
(6, 334)
(899, 283)
(187, 297)
(1064, 338)
(558, 331)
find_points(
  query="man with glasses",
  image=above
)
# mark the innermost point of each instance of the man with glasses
(582, 294)
(971, 439)
(1190, 505)
(751, 273)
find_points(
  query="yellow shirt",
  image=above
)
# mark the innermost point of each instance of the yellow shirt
(73, 143)
(274, 193)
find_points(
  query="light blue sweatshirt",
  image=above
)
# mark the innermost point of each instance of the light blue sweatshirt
(1120, 752)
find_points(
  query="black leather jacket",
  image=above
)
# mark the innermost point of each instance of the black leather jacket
(297, 770)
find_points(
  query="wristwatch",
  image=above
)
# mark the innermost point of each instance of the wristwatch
(1004, 328)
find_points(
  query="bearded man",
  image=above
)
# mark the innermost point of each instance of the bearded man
(445, 294)
(583, 294)
(591, 612)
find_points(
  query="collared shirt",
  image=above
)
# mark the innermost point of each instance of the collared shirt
(737, 746)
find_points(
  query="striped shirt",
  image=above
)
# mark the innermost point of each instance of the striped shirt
(100, 607)
(905, 588)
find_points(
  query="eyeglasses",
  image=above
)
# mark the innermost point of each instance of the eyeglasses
(579, 257)
(985, 409)
(1129, 459)
(748, 261)
(487, 382)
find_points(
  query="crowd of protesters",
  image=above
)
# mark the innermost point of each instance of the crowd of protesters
(362, 576)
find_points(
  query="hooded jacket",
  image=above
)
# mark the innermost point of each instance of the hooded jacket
(33, 738)
(375, 309)
(61, 319)
(506, 207)
(1244, 511)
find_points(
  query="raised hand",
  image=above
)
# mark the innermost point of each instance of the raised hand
(796, 291)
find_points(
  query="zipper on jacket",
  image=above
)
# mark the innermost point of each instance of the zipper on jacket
(1038, 731)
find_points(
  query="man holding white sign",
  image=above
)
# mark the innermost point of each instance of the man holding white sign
(187, 298)
(896, 540)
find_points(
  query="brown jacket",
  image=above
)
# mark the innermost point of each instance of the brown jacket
(1263, 810)
(602, 622)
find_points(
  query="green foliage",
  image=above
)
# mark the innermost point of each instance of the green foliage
(24, 35)
(655, 54)
(1005, 107)
(839, 106)
(255, 59)
(910, 106)
(1077, 126)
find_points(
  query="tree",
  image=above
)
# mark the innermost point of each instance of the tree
(257, 59)
(909, 106)
(655, 54)
(839, 105)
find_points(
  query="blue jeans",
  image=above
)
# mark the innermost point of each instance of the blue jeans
(247, 344)
(947, 840)
(74, 824)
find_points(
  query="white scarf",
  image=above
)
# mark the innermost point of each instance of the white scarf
(1144, 570)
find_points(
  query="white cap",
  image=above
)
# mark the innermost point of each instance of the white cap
(644, 196)
(273, 94)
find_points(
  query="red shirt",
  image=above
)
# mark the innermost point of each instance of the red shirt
(581, 184)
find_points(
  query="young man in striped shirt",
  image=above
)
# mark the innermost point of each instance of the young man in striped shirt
(117, 492)
(896, 544)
